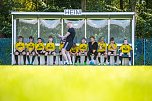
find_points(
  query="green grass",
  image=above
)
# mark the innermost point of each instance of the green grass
(79, 83)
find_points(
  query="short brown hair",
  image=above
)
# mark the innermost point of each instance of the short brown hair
(92, 37)
(111, 39)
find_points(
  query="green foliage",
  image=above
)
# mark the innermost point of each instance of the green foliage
(143, 10)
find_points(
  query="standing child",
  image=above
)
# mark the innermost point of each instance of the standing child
(83, 50)
(125, 50)
(60, 49)
(50, 49)
(102, 50)
(74, 52)
(39, 49)
(20, 50)
(112, 48)
(30, 48)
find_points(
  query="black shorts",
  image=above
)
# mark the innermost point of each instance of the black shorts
(68, 45)
(102, 53)
(20, 53)
(50, 53)
(30, 52)
(111, 52)
(40, 52)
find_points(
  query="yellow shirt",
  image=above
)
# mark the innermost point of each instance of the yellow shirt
(111, 48)
(83, 47)
(74, 49)
(102, 47)
(125, 48)
(30, 46)
(61, 46)
(50, 46)
(39, 46)
(20, 46)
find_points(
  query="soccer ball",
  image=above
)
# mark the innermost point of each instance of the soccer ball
(91, 62)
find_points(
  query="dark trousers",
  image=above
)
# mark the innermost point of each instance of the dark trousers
(90, 53)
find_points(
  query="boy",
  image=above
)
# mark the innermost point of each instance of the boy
(20, 50)
(60, 49)
(39, 49)
(83, 50)
(74, 52)
(93, 46)
(112, 48)
(50, 50)
(30, 48)
(102, 50)
(125, 50)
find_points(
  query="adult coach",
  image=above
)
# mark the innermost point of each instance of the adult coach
(69, 37)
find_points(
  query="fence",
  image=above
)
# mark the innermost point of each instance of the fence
(143, 51)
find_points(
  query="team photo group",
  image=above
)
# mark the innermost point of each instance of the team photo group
(92, 50)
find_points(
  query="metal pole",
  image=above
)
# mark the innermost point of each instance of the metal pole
(133, 36)
(144, 51)
(12, 40)
(38, 27)
(108, 30)
(85, 28)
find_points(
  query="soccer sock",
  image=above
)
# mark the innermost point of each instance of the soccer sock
(104, 60)
(120, 58)
(79, 59)
(24, 59)
(45, 59)
(38, 60)
(85, 59)
(28, 58)
(129, 58)
(99, 59)
(54, 58)
(76, 58)
(115, 57)
(16, 59)
(60, 57)
(108, 58)
(33, 59)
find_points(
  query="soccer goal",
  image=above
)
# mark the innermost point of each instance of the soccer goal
(120, 25)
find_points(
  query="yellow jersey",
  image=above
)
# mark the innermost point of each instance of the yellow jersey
(83, 47)
(20, 46)
(30, 46)
(74, 49)
(112, 47)
(50, 46)
(102, 47)
(125, 48)
(61, 46)
(39, 46)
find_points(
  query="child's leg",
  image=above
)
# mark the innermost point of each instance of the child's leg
(16, 57)
(54, 57)
(46, 54)
(115, 56)
(85, 57)
(24, 57)
(99, 54)
(109, 53)
(105, 57)
(28, 57)
(120, 57)
(33, 57)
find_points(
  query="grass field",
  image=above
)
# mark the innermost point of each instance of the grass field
(79, 83)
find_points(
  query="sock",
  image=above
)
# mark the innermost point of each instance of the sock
(28, 58)
(24, 59)
(79, 59)
(38, 60)
(45, 59)
(33, 59)
(60, 57)
(76, 58)
(104, 60)
(54, 58)
(115, 57)
(99, 59)
(120, 58)
(130, 59)
(85, 59)
(16, 59)
(108, 58)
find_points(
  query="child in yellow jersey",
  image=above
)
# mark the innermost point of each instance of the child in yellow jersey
(60, 49)
(125, 50)
(50, 49)
(112, 49)
(102, 50)
(39, 49)
(30, 50)
(83, 47)
(74, 52)
(20, 50)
